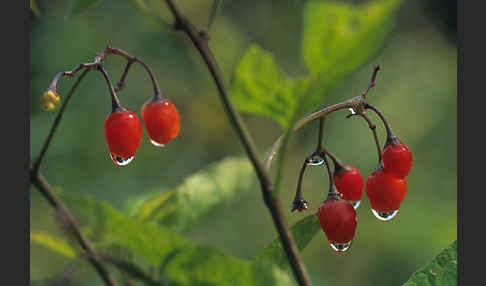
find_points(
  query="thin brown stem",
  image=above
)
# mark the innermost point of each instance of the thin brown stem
(48, 192)
(121, 83)
(338, 164)
(390, 135)
(372, 126)
(130, 58)
(115, 102)
(372, 81)
(200, 41)
(350, 103)
(332, 188)
(321, 133)
(299, 193)
(357, 103)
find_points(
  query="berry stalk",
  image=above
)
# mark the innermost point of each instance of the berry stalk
(131, 59)
(115, 102)
(372, 127)
(391, 138)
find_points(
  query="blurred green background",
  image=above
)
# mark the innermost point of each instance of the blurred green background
(416, 90)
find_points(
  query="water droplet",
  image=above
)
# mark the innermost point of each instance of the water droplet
(157, 144)
(340, 247)
(119, 161)
(352, 110)
(384, 216)
(355, 204)
(316, 161)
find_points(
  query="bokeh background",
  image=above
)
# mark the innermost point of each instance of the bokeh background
(416, 90)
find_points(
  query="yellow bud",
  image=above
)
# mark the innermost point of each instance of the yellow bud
(50, 100)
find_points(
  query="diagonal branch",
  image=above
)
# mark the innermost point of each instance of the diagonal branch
(48, 192)
(199, 39)
(358, 104)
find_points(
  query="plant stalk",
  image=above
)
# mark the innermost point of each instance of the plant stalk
(199, 40)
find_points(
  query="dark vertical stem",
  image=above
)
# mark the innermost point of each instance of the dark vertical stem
(121, 82)
(372, 126)
(390, 136)
(338, 164)
(329, 172)
(200, 42)
(375, 135)
(321, 133)
(115, 102)
(372, 81)
(332, 188)
(298, 194)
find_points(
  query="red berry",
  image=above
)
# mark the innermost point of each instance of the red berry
(349, 183)
(338, 220)
(123, 131)
(385, 191)
(397, 159)
(161, 119)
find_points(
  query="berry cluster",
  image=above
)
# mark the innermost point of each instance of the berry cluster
(123, 128)
(385, 187)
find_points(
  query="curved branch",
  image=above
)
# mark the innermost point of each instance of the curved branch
(350, 103)
(115, 102)
(357, 103)
(131, 59)
(390, 135)
(372, 126)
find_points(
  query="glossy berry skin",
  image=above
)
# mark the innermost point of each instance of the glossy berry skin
(338, 220)
(397, 159)
(385, 191)
(349, 183)
(123, 130)
(161, 119)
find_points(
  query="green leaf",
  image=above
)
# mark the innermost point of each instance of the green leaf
(34, 8)
(179, 260)
(209, 266)
(258, 86)
(79, 6)
(217, 184)
(442, 270)
(338, 37)
(54, 243)
(303, 232)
